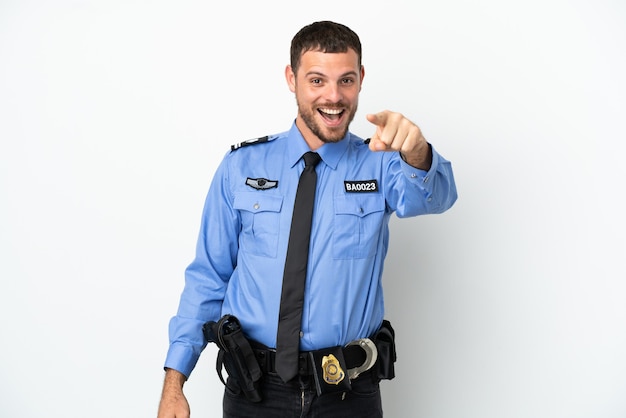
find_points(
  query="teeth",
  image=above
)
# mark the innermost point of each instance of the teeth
(331, 111)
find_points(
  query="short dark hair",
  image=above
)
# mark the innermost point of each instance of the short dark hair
(324, 36)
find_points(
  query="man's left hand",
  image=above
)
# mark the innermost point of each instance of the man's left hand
(394, 132)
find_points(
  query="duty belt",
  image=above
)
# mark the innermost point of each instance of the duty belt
(359, 355)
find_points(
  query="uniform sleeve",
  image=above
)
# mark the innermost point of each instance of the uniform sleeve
(413, 192)
(206, 278)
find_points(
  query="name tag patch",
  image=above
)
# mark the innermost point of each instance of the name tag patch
(361, 186)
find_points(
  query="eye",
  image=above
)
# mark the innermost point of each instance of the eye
(347, 81)
(316, 81)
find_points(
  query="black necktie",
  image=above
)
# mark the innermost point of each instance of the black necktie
(292, 299)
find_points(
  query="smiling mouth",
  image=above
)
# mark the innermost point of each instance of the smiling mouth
(330, 114)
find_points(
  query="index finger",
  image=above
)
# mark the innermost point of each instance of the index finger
(378, 119)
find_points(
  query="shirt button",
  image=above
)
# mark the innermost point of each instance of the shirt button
(413, 175)
(256, 206)
(301, 334)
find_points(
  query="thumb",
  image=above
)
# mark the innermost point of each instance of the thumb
(376, 144)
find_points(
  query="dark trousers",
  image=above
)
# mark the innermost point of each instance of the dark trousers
(298, 398)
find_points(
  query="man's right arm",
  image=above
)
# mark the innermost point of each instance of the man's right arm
(206, 279)
(173, 402)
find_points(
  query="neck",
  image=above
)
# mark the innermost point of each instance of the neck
(310, 138)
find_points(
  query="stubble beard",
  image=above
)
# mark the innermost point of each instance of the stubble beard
(326, 135)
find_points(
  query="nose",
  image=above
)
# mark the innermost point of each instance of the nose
(333, 93)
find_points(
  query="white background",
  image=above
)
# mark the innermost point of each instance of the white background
(115, 114)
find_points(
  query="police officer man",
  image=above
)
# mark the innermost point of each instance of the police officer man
(244, 236)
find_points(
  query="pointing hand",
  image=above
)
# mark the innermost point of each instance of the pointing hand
(394, 132)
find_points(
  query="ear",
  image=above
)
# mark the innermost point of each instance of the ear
(362, 77)
(291, 78)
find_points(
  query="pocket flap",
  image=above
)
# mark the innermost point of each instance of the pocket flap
(256, 202)
(359, 205)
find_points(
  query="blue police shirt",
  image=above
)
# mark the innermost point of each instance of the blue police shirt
(240, 254)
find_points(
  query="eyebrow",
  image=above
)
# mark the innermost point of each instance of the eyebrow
(349, 73)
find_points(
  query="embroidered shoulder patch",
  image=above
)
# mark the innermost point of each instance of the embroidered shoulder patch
(261, 184)
(361, 186)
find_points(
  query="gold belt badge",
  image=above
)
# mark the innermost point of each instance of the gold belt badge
(333, 374)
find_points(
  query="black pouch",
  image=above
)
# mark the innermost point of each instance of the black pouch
(330, 371)
(386, 346)
(235, 355)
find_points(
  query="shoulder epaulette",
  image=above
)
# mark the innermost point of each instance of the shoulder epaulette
(253, 141)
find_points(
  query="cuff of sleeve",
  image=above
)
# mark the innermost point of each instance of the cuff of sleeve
(418, 176)
(181, 358)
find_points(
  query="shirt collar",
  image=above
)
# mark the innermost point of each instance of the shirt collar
(331, 153)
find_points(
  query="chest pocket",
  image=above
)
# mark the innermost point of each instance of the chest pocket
(260, 218)
(358, 224)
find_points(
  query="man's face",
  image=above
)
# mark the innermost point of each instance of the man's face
(327, 90)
